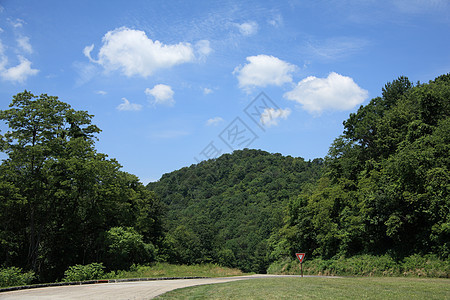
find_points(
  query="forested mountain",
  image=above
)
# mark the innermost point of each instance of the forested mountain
(224, 210)
(382, 189)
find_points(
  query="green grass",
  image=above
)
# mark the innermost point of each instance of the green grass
(168, 270)
(320, 288)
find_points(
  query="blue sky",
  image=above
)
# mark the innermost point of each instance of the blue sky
(175, 82)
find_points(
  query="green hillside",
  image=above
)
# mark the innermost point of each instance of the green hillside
(225, 210)
(382, 189)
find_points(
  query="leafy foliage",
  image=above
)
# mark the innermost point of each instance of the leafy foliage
(58, 196)
(224, 210)
(126, 247)
(367, 265)
(14, 276)
(84, 272)
(385, 188)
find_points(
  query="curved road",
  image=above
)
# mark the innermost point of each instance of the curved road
(122, 290)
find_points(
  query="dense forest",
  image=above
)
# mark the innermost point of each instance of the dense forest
(383, 189)
(225, 210)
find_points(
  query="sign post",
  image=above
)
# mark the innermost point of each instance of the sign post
(300, 257)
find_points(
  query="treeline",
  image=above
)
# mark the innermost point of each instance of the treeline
(386, 185)
(61, 202)
(225, 210)
(383, 189)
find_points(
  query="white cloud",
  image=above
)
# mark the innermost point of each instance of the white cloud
(162, 94)
(128, 106)
(214, 121)
(263, 70)
(24, 44)
(271, 116)
(336, 92)
(203, 48)
(87, 52)
(23, 69)
(133, 53)
(101, 93)
(247, 28)
(207, 91)
(18, 73)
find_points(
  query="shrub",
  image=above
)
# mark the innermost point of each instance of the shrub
(13, 276)
(367, 265)
(84, 272)
(125, 247)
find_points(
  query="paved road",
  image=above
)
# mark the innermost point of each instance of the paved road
(122, 290)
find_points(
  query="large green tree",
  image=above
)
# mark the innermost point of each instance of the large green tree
(385, 187)
(59, 196)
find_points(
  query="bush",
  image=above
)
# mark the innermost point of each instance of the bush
(14, 276)
(125, 247)
(84, 272)
(366, 265)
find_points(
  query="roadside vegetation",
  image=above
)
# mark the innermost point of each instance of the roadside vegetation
(169, 270)
(367, 265)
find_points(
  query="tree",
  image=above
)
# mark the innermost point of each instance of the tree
(125, 246)
(59, 195)
(43, 129)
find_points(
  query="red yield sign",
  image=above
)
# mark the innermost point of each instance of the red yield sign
(300, 256)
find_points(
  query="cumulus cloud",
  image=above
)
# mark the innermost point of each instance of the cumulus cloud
(214, 121)
(23, 69)
(133, 53)
(100, 92)
(162, 94)
(128, 106)
(18, 73)
(263, 70)
(271, 116)
(207, 91)
(248, 28)
(336, 92)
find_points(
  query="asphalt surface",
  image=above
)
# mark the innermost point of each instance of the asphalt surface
(121, 290)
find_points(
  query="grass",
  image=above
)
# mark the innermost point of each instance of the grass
(168, 270)
(320, 288)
